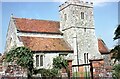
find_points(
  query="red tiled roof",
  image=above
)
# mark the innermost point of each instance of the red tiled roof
(45, 44)
(102, 47)
(33, 25)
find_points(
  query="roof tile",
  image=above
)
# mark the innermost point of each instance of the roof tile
(45, 44)
(34, 25)
(102, 47)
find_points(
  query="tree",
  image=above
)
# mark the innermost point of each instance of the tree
(116, 50)
(59, 63)
(116, 55)
(23, 57)
(117, 33)
(116, 73)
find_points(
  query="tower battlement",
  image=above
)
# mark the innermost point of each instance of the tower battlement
(77, 3)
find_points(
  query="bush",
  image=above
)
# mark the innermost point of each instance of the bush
(116, 71)
(47, 72)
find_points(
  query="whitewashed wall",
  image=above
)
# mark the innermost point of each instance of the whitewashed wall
(47, 60)
(11, 37)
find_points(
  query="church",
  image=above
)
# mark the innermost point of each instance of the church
(73, 37)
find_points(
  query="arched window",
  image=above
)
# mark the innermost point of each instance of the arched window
(37, 60)
(41, 60)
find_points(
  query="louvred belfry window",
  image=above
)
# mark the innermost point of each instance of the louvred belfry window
(82, 15)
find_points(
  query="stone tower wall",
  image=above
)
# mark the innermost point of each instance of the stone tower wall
(79, 32)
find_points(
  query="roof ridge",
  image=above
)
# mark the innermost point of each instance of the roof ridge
(34, 19)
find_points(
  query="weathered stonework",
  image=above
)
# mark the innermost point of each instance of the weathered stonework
(12, 38)
(79, 32)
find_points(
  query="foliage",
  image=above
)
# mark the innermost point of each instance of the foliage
(116, 73)
(116, 53)
(59, 62)
(47, 72)
(116, 50)
(23, 57)
(117, 33)
(54, 72)
(77, 74)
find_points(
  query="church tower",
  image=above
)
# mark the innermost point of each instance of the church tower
(77, 25)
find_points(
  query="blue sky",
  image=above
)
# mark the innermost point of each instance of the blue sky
(119, 12)
(106, 17)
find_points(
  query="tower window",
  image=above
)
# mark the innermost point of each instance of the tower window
(65, 17)
(82, 15)
(84, 29)
(86, 58)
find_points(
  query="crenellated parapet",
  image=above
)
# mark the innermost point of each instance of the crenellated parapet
(77, 3)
